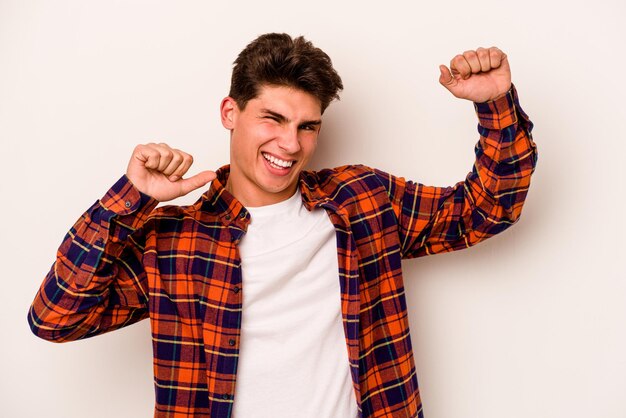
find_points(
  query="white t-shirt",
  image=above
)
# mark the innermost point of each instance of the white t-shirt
(293, 359)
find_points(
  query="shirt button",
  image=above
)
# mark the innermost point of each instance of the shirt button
(236, 289)
(227, 217)
(226, 396)
(242, 215)
(99, 242)
(231, 342)
(128, 204)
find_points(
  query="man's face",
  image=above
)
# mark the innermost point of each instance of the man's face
(272, 140)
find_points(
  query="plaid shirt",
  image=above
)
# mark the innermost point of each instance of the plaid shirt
(124, 261)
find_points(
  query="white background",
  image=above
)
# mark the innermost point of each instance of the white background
(529, 323)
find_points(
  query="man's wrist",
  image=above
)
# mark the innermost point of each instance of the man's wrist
(127, 203)
(498, 113)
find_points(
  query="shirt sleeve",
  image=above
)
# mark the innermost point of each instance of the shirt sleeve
(434, 220)
(97, 282)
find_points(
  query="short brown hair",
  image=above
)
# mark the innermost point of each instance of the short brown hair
(277, 59)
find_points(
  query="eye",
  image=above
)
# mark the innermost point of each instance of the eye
(308, 127)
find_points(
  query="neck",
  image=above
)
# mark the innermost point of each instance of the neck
(257, 198)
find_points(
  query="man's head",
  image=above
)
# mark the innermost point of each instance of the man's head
(280, 88)
(278, 60)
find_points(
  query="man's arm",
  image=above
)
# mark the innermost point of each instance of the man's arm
(97, 283)
(435, 219)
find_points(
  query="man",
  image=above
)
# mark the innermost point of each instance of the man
(279, 293)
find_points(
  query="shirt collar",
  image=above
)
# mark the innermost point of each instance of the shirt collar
(312, 193)
(223, 204)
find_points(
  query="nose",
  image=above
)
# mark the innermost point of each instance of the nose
(289, 141)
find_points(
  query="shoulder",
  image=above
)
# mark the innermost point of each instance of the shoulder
(173, 214)
(349, 184)
(355, 177)
(342, 176)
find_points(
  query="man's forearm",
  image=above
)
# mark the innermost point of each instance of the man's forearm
(96, 282)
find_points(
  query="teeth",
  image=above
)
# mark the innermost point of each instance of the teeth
(277, 162)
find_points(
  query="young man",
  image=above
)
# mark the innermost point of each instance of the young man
(279, 293)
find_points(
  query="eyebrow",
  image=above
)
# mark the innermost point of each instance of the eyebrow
(283, 119)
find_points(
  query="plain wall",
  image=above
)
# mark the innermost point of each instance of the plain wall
(529, 323)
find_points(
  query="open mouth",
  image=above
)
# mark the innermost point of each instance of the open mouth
(277, 162)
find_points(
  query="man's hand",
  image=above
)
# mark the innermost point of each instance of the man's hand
(157, 170)
(479, 76)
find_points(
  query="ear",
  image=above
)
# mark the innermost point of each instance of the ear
(228, 110)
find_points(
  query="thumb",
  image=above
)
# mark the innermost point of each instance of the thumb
(195, 182)
(445, 77)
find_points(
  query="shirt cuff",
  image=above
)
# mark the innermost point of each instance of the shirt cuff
(499, 113)
(125, 199)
